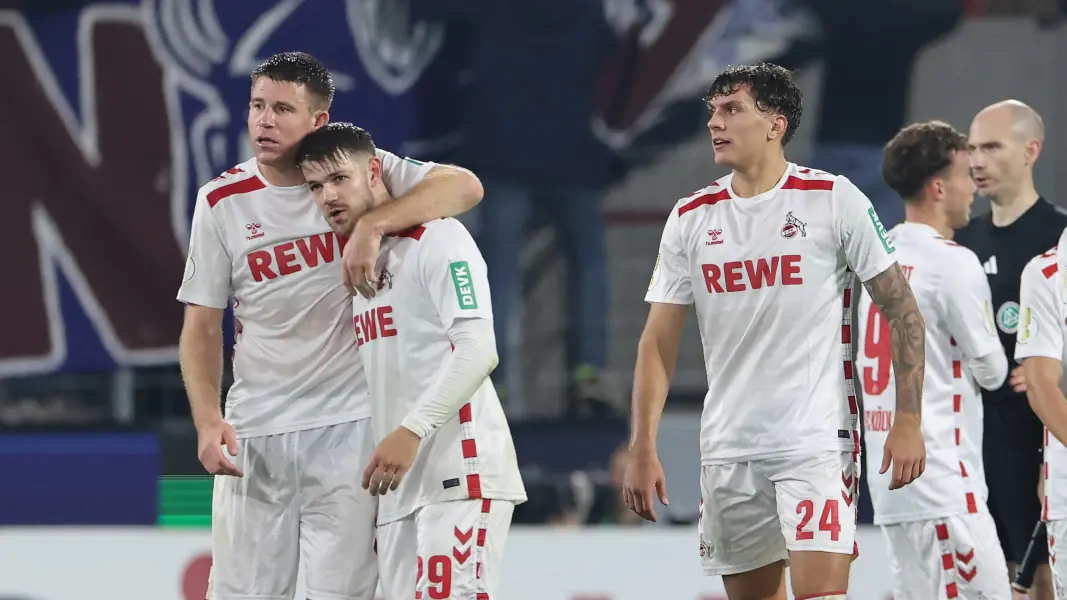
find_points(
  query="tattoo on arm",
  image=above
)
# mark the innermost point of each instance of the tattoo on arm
(890, 291)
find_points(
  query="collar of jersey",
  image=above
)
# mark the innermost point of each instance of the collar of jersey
(294, 190)
(916, 227)
(790, 169)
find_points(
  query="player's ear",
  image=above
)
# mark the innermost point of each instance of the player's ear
(937, 187)
(1033, 151)
(779, 124)
(375, 170)
(322, 117)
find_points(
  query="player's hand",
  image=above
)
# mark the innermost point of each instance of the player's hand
(1017, 379)
(391, 461)
(210, 440)
(644, 477)
(1041, 489)
(905, 451)
(359, 257)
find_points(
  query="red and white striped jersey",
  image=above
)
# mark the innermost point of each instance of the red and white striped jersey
(1042, 329)
(772, 279)
(953, 295)
(430, 277)
(295, 365)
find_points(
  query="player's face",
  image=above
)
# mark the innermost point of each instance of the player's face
(998, 157)
(959, 191)
(280, 114)
(739, 130)
(343, 188)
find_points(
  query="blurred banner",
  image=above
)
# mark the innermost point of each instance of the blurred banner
(116, 112)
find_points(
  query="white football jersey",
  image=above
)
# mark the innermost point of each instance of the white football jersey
(295, 364)
(431, 277)
(953, 295)
(1042, 318)
(772, 279)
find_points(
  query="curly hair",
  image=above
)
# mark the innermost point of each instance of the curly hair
(918, 153)
(772, 88)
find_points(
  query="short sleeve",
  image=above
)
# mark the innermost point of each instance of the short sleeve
(1040, 331)
(670, 283)
(401, 174)
(864, 240)
(454, 274)
(208, 267)
(969, 307)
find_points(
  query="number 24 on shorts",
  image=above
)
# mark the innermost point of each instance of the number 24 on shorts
(828, 521)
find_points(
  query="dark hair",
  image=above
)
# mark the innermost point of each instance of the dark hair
(771, 87)
(332, 141)
(919, 152)
(298, 67)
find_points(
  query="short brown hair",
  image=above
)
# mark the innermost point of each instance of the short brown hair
(919, 152)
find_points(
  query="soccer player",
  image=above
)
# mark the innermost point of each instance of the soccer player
(941, 536)
(445, 466)
(1041, 349)
(296, 434)
(770, 255)
(1006, 140)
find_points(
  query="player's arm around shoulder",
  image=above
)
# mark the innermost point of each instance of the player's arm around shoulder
(422, 192)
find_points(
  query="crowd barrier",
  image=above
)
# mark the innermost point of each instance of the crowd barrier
(542, 563)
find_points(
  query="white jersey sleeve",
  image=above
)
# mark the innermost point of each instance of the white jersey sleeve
(864, 240)
(969, 307)
(671, 281)
(453, 272)
(401, 174)
(208, 267)
(1040, 301)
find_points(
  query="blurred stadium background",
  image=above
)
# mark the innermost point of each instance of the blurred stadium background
(113, 113)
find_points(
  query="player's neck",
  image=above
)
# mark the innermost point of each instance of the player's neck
(1008, 209)
(926, 215)
(279, 177)
(759, 177)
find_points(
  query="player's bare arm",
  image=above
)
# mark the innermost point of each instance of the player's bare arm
(1044, 393)
(905, 449)
(445, 191)
(200, 354)
(657, 356)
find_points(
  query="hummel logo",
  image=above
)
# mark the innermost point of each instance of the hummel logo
(990, 266)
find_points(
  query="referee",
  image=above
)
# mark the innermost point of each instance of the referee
(1005, 141)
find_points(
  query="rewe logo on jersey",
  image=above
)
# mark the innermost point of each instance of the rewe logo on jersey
(292, 257)
(743, 275)
(374, 324)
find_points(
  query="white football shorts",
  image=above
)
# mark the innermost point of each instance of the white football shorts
(754, 513)
(951, 557)
(301, 499)
(451, 550)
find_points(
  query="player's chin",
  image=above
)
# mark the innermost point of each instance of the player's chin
(724, 158)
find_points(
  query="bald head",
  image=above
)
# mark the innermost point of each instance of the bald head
(1004, 143)
(1023, 120)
